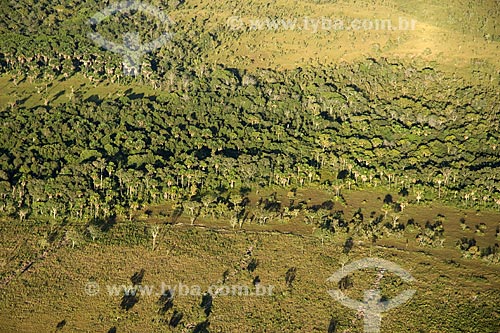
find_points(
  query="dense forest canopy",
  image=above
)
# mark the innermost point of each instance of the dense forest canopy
(375, 123)
(214, 129)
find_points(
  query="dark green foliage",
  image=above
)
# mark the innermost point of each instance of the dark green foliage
(90, 159)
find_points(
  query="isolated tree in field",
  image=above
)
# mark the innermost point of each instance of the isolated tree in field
(403, 205)
(73, 236)
(337, 188)
(154, 231)
(386, 208)
(290, 275)
(395, 218)
(94, 232)
(343, 259)
(233, 221)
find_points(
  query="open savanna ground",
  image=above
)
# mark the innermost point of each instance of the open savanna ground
(453, 294)
(455, 37)
(279, 35)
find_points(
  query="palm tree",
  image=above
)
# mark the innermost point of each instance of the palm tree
(134, 206)
(155, 230)
(236, 200)
(337, 188)
(233, 221)
(395, 218)
(466, 197)
(206, 201)
(73, 235)
(419, 196)
(22, 214)
(439, 180)
(386, 208)
(193, 210)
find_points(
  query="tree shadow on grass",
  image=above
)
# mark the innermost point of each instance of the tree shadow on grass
(166, 302)
(176, 318)
(138, 277)
(202, 327)
(206, 303)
